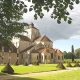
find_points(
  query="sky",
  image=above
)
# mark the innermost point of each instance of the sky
(63, 35)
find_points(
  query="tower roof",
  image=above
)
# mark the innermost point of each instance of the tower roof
(32, 26)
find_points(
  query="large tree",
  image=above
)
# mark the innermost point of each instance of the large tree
(73, 55)
(11, 12)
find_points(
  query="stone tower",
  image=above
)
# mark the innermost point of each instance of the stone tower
(32, 32)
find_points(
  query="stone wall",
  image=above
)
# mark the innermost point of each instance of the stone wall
(8, 57)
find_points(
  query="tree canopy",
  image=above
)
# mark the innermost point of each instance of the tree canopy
(11, 12)
(59, 8)
(77, 53)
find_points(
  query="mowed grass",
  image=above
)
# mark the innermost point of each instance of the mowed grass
(68, 75)
(34, 68)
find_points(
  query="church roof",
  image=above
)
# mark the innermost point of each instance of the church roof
(28, 48)
(47, 50)
(44, 38)
(24, 38)
(34, 51)
(58, 51)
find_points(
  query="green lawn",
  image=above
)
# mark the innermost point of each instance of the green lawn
(71, 75)
(29, 69)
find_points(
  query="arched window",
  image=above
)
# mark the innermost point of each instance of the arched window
(37, 57)
(45, 56)
(51, 55)
(58, 57)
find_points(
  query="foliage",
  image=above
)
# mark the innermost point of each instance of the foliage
(67, 55)
(26, 64)
(73, 56)
(8, 69)
(11, 12)
(69, 60)
(77, 53)
(76, 64)
(59, 8)
(69, 64)
(60, 66)
(17, 63)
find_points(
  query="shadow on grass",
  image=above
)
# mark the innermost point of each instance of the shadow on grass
(24, 78)
(10, 77)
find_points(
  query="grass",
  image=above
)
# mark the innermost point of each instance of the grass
(71, 75)
(30, 69)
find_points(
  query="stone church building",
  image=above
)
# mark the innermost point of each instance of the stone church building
(30, 47)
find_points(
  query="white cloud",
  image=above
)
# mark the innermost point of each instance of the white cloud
(53, 30)
(75, 37)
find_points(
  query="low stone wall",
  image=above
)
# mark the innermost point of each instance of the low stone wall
(8, 57)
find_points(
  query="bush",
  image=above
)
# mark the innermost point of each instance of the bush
(26, 64)
(37, 63)
(60, 66)
(69, 64)
(76, 64)
(17, 63)
(8, 69)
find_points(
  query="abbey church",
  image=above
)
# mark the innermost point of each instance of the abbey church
(29, 48)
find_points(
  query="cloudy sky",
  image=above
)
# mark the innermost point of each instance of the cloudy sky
(63, 35)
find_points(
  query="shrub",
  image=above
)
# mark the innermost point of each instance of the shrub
(26, 64)
(60, 66)
(37, 63)
(7, 69)
(69, 64)
(76, 64)
(17, 63)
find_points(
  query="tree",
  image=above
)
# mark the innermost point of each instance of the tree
(73, 56)
(77, 53)
(67, 55)
(59, 8)
(11, 12)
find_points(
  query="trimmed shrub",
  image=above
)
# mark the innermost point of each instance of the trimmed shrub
(69, 64)
(60, 66)
(16, 63)
(25, 64)
(76, 64)
(37, 63)
(7, 69)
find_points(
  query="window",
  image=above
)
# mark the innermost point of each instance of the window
(62, 57)
(37, 57)
(58, 57)
(42, 57)
(45, 57)
(51, 55)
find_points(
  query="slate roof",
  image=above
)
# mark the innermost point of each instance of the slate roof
(46, 50)
(28, 48)
(24, 38)
(44, 38)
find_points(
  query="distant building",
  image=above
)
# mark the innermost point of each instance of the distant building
(30, 48)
